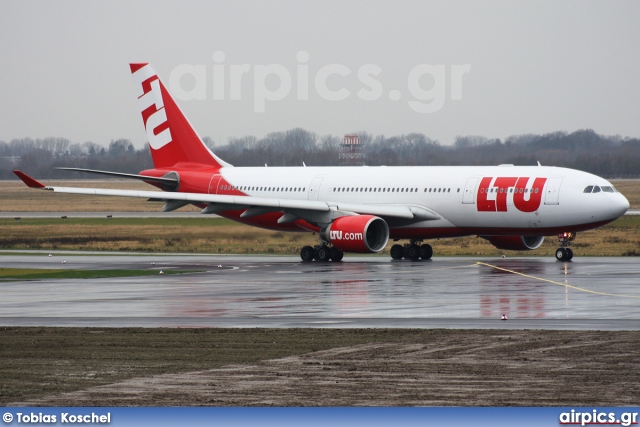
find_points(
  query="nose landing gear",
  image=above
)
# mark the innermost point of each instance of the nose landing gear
(564, 252)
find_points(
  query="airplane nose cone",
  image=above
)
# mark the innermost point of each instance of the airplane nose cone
(620, 205)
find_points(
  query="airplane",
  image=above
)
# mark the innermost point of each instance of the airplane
(358, 209)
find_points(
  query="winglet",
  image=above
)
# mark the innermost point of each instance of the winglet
(32, 183)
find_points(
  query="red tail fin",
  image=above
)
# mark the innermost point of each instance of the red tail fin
(172, 139)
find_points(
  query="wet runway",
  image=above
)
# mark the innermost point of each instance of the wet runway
(248, 291)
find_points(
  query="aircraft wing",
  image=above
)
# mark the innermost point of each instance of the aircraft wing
(296, 208)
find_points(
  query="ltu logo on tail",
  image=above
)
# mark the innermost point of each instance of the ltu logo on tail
(152, 107)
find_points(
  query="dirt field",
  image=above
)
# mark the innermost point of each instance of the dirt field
(386, 368)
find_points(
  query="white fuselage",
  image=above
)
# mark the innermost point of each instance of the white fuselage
(454, 193)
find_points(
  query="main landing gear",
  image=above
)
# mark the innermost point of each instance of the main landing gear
(321, 253)
(412, 251)
(564, 252)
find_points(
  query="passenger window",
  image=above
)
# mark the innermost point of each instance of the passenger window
(596, 189)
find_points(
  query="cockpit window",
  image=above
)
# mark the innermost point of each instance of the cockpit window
(607, 189)
(589, 189)
(596, 189)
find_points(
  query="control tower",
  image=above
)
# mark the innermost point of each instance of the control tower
(351, 151)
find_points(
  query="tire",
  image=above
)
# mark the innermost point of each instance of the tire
(306, 253)
(324, 253)
(397, 252)
(561, 254)
(336, 254)
(412, 252)
(569, 254)
(426, 251)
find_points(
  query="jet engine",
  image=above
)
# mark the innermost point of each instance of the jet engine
(360, 233)
(515, 243)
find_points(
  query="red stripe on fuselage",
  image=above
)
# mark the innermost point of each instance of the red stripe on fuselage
(439, 233)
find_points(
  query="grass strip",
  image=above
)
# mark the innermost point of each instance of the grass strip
(221, 236)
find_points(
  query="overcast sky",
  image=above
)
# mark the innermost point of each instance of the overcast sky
(446, 68)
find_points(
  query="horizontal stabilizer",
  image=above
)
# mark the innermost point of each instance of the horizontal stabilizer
(32, 183)
(125, 175)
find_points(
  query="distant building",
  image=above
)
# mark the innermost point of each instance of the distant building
(351, 151)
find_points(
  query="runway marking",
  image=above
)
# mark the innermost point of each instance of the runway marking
(577, 288)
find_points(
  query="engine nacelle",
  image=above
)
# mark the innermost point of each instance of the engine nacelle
(515, 243)
(360, 233)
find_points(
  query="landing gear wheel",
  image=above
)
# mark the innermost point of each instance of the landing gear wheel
(306, 253)
(561, 254)
(324, 253)
(397, 252)
(336, 254)
(412, 252)
(564, 253)
(426, 251)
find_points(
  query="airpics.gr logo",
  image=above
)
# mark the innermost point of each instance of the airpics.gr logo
(494, 196)
(151, 106)
(426, 89)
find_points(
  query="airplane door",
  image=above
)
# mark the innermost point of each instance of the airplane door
(552, 192)
(314, 188)
(469, 196)
(213, 184)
